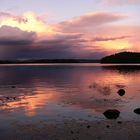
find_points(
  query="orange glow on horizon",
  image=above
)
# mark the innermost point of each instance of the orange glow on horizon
(115, 45)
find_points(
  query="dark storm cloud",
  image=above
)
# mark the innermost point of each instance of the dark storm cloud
(9, 42)
(13, 40)
(109, 38)
(15, 43)
(10, 36)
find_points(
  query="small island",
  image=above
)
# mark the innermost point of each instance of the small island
(122, 57)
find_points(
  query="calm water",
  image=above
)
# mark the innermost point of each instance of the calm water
(55, 93)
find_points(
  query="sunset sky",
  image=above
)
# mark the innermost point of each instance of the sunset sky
(68, 28)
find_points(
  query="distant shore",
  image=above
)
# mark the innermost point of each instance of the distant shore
(75, 130)
(40, 61)
(118, 58)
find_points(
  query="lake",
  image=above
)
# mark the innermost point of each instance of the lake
(57, 93)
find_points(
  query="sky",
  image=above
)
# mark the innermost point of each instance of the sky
(88, 29)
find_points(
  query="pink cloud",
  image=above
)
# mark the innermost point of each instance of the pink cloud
(90, 20)
(20, 19)
(120, 2)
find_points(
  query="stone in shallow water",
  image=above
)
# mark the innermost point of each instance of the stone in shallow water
(119, 122)
(88, 126)
(137, 111)
(112, 114)
(108, 126)
(13, 86)
(121, 92)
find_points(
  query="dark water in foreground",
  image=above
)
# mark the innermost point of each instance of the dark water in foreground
(55, 93)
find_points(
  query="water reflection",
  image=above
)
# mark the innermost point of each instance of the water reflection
(69, 90)
(123, 68)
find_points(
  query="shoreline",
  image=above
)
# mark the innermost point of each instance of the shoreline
(75, 130)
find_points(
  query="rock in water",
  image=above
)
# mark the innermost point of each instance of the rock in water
(112, 114)
(137, 111)
(121, 92)
(13, 86)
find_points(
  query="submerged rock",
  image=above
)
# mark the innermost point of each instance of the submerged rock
(121, 92)
(13, 86)
(112, 114)
(88, 126)
(107, 126)
(119, 122)
(137, 111)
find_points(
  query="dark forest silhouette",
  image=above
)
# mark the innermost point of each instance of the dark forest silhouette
(122, 57)
(40, 61)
